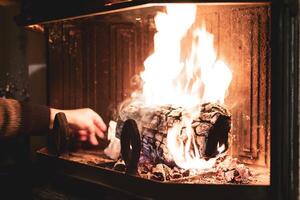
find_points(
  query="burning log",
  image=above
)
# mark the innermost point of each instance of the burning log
(210, 129)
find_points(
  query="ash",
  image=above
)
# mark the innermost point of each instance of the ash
(227, 170)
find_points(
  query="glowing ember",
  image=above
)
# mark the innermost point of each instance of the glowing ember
(183, 71)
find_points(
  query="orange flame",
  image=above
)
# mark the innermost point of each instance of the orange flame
(186, 81)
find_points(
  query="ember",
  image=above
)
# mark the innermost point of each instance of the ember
(226, 170)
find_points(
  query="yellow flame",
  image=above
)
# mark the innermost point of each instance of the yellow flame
(184, 75)
(221, 148)
(163, 67)
(170, 79)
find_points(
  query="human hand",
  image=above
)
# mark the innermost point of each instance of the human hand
(84, 122)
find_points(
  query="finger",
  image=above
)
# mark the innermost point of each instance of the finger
(91, 134)
(82, 132)
(93, 139)
(98, 121)
(100, 133)
(90, 129)
(83, 138)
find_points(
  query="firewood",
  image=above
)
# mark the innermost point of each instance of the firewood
(210, 129)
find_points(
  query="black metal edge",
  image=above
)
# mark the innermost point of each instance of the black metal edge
(62, 11)
(148, 189)
(284, 100)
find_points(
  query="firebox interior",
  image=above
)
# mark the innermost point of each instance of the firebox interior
(103, 55)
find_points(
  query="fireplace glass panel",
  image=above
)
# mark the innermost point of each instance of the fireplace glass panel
(95, 61)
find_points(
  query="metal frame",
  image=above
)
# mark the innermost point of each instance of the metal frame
(284, 102)
(44, 14)
(141, 188)
(284, 115)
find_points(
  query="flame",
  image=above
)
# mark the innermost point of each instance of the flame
(184, 155)
(221, 148)
(164, 66)
(170, 79)
(184, 75)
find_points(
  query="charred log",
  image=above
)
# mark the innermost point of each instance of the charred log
(210, 129)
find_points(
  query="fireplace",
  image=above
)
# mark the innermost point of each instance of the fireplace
(196, 95)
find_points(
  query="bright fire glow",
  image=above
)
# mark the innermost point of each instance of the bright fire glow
(180, 148)
(184, 70)
(221, 148)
